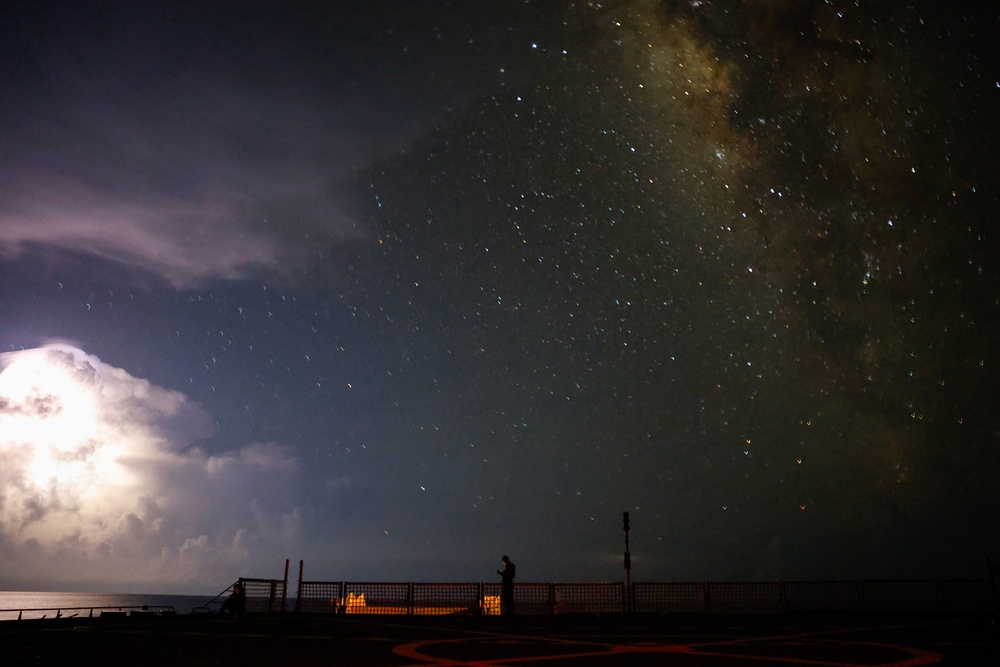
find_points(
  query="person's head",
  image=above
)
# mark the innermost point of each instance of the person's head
(505, 559)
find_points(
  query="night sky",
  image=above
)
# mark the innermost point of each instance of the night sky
(398, 287)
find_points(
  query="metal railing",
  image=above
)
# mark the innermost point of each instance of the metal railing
(115, 611)
(548, 599)
(265, 595)
(262, 595)
(947, 596)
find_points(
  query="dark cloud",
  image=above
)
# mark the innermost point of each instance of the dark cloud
(183, 185)
(193, 154)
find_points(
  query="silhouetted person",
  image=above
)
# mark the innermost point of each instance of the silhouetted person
(507, 587)
(236, 603)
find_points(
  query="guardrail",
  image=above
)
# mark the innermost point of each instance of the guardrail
(548, 599)
(261, 595)
(266, 595)
(103, 612)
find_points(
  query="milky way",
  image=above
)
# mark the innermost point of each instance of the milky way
(717, 244)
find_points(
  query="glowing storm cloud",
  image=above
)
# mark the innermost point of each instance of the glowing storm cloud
(62, 455)
(100, 479)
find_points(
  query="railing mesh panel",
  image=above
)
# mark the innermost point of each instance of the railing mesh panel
(442, 599)
(375, 598)
(318, 597)
(822, 596)
(530, 599)
(900, 596)
(669, 597)
(745, 597)
(967, 596)
(948, 596)
(264, 595)
(589, 598)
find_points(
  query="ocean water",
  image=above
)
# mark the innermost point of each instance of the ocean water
(46, 605)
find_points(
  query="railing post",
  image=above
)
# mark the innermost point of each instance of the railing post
(298, 588)
(284, 589)
(552, 599)
(706, 597)
(409, 599)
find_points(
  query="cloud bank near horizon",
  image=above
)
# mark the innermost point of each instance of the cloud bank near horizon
(104, 478)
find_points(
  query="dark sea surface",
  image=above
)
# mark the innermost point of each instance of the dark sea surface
(31, 604)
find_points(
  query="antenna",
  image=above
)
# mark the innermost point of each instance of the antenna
(628, 563)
